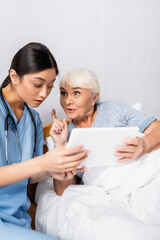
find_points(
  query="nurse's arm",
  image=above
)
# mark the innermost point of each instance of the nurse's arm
(17, 172)
(58, 160)
(38, 177)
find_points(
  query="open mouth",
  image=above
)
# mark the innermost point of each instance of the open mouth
(70, 110)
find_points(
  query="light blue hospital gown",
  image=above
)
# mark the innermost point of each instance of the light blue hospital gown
(14, 203)
(116, 114)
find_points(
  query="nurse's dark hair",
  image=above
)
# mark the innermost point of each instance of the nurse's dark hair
(33, 57)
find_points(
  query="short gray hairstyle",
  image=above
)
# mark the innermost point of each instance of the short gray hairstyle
(82, 78)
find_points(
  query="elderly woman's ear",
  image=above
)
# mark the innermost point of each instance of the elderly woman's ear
(95, 97)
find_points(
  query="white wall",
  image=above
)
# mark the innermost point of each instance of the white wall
(118, 39)
(133, 53)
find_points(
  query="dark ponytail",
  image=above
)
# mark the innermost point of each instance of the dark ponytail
(33, 57)
(6, 81)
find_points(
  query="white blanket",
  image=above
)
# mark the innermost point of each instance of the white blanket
(115, 203)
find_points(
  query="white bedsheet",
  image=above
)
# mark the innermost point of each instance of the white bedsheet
(115, 203)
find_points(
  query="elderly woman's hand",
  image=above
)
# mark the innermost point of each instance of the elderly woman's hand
(134, 148)
(63, 176)
(59, 130)
(66, 175)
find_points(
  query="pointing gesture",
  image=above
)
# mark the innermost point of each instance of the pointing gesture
(59, 130)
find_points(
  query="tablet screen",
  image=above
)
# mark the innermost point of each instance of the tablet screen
(101, 143)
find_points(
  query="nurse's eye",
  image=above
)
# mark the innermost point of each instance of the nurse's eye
(37, 85)
(63, 94)
(76, 93)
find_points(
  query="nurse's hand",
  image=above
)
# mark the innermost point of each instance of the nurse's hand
(63, 159)
(134, 148)
(59, 130)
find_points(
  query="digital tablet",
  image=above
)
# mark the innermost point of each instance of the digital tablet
(101, 143)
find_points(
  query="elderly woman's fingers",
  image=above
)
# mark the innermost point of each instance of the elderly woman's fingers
(122, 160)
(74, 172)
(132, 141)
(134, 148)
(124, 154)
(58, 123)
(71, 174)
(57, 127)
(126, 148)
(81, 169)
(53, 114)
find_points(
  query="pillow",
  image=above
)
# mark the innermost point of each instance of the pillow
(137, 106)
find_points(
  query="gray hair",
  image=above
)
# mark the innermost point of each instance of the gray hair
(82, 78)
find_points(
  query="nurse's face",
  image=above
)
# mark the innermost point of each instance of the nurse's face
(34, 88)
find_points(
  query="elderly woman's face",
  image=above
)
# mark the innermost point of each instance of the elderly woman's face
(77, 103)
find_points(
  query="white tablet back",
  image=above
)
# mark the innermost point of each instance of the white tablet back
(101, 143)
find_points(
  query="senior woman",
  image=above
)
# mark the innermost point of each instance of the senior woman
(79, 97)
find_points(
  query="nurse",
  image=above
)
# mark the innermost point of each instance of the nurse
(31, 78)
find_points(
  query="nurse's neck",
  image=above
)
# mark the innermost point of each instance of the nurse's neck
(17, 105)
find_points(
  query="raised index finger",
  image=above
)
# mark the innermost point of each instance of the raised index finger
(53, 114)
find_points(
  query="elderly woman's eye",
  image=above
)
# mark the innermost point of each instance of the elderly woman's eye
(63, 93)
(76, 93)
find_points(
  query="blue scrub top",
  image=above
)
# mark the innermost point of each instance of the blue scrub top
(14, 201)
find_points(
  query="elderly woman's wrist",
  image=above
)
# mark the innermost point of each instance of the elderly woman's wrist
(146, 148)
(59, 145)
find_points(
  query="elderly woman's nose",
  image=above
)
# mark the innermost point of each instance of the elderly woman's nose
(69, 99)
